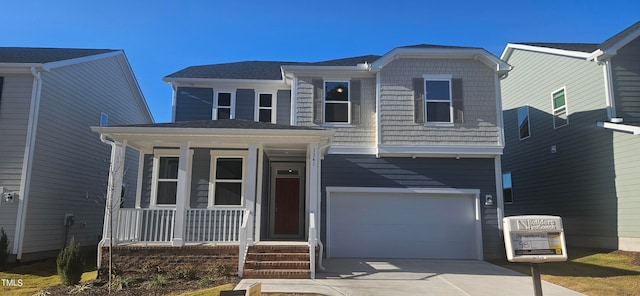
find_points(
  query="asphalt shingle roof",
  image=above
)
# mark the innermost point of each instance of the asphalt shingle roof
(45, 55)
(222, 124)
(617, 37)
(439, 46)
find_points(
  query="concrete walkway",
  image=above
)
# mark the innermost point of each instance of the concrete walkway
(410, 277)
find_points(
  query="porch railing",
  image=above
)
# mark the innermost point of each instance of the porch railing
(313, 241)
(244, 241)
(157, 225)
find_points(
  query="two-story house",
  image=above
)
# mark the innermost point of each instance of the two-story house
(572, 114)
(53, 169)
(393, 156)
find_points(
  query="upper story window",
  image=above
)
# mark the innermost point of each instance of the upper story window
(224, 105)
(104, 119)
(507, 188)
(336, 101)
(437, 91)
(227, 178)
(266, 108)
(523, 122)
(559, 106)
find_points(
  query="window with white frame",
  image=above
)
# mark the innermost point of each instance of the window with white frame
(227, 180)
(438, 101)
(266, 108)
(507, 188)
(336, 101)
(224, 107)
(559, 106)
(523, 122)
(166, 186)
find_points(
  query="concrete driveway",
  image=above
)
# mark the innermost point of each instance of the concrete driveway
(410, 277)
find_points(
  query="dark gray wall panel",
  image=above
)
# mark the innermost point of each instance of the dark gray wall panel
(193, 103)
(200, 170)
(245, 104)
(626, 76)
(147, 177)
(283, 111)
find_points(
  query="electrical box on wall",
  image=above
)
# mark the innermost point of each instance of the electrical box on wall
(534, 239)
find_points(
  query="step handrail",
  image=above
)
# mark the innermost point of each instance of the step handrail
(243, 244)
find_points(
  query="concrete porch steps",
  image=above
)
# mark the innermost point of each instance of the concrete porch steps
(277, 262)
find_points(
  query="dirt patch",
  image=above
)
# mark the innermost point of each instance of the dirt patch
(635, 256)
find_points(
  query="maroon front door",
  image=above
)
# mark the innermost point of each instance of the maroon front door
(287, 207)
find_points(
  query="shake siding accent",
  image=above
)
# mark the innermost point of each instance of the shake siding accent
(361, 134)
(15, 102)
(626, 81)
(283, 107)
(578, 181)
(245, 104)
(398, 123)
(369, 171)
(69, 157)
(194, 103)
(627, 164)
(200, 170)
(147, 177)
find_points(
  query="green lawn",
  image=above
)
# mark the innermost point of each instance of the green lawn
(35, 276)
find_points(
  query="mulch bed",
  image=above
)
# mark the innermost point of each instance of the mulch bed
(635, 256)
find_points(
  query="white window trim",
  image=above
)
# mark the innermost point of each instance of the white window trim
(528, 122)
(438, 77)
(324, 104)
(566, 107)
(215, 155)
(232, 113)
(257, 108)
(153, 200)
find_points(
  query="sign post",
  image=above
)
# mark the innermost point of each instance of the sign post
(534, 239)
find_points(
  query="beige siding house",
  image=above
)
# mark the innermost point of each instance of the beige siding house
(51, 165)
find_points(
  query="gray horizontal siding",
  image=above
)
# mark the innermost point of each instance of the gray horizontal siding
(626, 81)
(15, 101)
(245, 104)
(69, 158)
(193, 103)
(369, 171)
(283, 107)
(627, 165)
(147, 179)
(479, 102)
(578, 181)
(200, 170)
(361, 134)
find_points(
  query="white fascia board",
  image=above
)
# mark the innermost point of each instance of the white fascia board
(475, 53)
(347, 149)
(335, 71)
(402, 190)
(563, 52)
(620, 127)
(185, 132)
(226, 83)
(58, 64)
(440, 150)
(605, 53)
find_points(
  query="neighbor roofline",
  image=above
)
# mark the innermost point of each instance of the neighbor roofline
(506, 53)
(18, 67)
(603, 53)
(487, 58)
(183, 80)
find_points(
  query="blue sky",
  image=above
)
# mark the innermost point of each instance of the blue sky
(160, 37)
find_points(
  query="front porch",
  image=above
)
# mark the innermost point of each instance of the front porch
(214, 185)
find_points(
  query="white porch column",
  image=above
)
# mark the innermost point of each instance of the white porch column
(250, 186)
(314, 177)
(114, 192)
(181, 195)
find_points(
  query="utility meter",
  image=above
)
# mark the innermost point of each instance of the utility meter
(534, 239)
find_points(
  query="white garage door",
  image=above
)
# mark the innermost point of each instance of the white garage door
(402, 225)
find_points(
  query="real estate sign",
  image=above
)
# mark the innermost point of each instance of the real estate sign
(534, 239)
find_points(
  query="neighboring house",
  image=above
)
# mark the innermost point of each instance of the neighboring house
(51, 164)
(393, 156)
(572, 126)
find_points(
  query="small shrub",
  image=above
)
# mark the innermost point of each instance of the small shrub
(70, 264)
(185, 272)
(206, 282)
(81, 288)
(120, 283)
(4, 248)
(157, 282)
(221, 269)
(41, 293)
(151, 266)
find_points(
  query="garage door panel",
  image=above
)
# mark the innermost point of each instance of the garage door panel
(402, 225)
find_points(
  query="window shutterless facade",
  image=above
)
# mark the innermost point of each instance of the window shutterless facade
(224, 105)
(227, 179)
(559, 107)
(438, 100)
(523, 122)
(336, 102)
(266, 108)
(165, 174)
(507, 188)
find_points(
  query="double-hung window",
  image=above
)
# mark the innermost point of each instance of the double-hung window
(167, 180)
(227, 179)
(336, 102)
(266, 108)
(438, 100)
(523, 122)
(224, 105)
(559, 106)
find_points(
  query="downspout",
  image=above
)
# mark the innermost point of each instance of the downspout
(320, 244)
(27, 164)
(174, 95)
(104, 139)
(608, 89)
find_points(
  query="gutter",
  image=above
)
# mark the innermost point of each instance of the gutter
(635, 130)
(27, 162)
